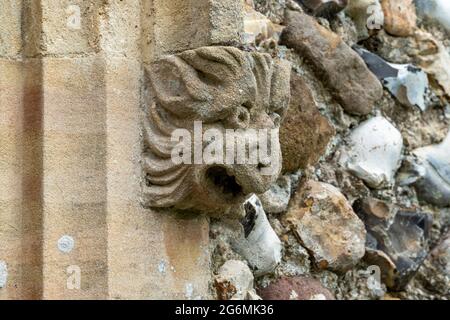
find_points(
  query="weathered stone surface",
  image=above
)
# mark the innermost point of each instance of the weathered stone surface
(435, 272)
(434, 58)
(399, 17)
(258, 28)
(326, 225)
(10, 38)
(252, 92)
(258, 244)
(20, 167)
(304, 132)
(343, 71)
(325, 8)
(234, 281)
(401, 235)
(74, 98)
(441, 255)
(376, 211)
(295, 288)
(177, 25)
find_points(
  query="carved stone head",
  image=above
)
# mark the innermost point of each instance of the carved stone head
(220, 90)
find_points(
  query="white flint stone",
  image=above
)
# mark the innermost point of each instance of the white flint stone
(408, 83)
(259, 244)
(276, 199)
(374, 152)
(430, 173)
(435, 10)
(447, 112)
(410, 86)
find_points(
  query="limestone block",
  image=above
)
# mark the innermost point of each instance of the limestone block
(20, 171)
(74, 176)
(179, 25)
(150, 255)
(70, 27)
(121, 31)
(10, 32)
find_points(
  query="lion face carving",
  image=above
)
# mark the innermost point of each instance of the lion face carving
(223, 89)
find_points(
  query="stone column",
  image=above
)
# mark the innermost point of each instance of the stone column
(71, 83)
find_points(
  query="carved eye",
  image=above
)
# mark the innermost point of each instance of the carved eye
(240, 118)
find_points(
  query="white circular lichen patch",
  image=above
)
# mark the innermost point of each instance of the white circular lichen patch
(66, 244)
(162, 266)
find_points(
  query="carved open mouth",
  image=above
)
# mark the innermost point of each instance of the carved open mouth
(224, 182)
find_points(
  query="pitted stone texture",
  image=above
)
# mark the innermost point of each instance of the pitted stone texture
(224, 88)
(344, 72)
(10, 38)
(296, 288)
(327, 226)
(304, 132)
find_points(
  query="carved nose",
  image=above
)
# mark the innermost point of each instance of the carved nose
(264, 162)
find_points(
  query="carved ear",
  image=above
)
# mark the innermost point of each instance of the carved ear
(217, 65)
(262, 71)
(188, 84)
(177, 87)
(280, 87)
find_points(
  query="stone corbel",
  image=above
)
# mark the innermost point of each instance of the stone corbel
(211, 88)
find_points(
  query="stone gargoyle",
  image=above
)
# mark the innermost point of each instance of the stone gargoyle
(211, 89)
